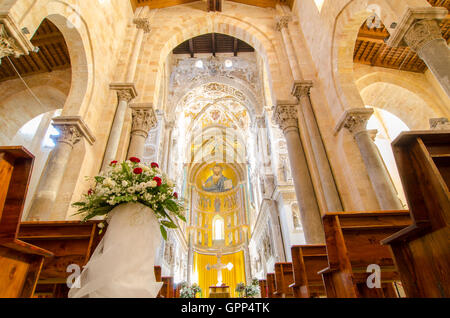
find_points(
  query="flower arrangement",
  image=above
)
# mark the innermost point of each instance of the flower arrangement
(248, 291)
(187, 291)
(133, 181)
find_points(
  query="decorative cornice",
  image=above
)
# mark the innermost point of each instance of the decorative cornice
(143, 24)
(286, 116)
(355, 120)
(301, 88)
(282, 22)
(421, 33)
(144, 118)
(125, 91)
(72, 129)
(412, 16)
(12, 40)
(439, 124)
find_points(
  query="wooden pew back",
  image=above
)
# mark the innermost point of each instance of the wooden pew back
(271, 288)
(263, 288)
(284, 277)
(307, 261)
(353, 243)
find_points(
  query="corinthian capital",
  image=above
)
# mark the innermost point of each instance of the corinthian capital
(125, 91)
(282, 22)
(439, 124)
(71, 130)
(421, 33)
(301, 88)
(144, 118)
(355, 120)
(12, 40)
(8, 45)
(143, 24)
(286, 116)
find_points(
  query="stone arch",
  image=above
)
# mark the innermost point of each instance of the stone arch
(245, 31)
(431, 104)
(345, 33)
(68, 19)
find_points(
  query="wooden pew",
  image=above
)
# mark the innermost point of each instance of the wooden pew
(167, 290)
(271, 287)
(422, 250)
(307, 260)
(71, 242)
(20, 262)
(263, 288)
(284, 277)
(353, 243)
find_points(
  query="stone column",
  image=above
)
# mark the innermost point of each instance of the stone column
(190, 260)
(282, 26)
(286, 117)
(420, 30)
(71, 130)
(248, 265)
(125, 93)
(144, 119)
(355, 120)
(439, 124)
(168, 143)
(301, 91)
(143, 26)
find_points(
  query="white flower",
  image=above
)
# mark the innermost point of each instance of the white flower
(101, 225)
(153, 184)
(124, 183)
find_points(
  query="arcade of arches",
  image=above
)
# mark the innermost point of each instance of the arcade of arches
(267, 114)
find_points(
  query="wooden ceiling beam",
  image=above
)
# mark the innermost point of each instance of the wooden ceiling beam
(191, 47)
(213, 44)
(235, 47)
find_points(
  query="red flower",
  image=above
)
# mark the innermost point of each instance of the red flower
(137, 170)
(158, 181)
(134, 159)
(113, 162)
(154, 165)
(175, 195)
(90, 191)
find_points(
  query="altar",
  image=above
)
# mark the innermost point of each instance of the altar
(219, 291)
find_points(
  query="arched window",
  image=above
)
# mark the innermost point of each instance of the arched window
(218, 228)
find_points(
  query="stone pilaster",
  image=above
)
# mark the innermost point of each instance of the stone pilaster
(355, 121)
(330, 195)
(282, 25)
(71, 131)
(144, 119)
(439, 124)
(125, 93)
(419, 29)
(286, 116)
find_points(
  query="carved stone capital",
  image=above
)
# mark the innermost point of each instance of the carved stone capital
(421, 33)
(439, 124)
(144, 118)
(125, 91)
(12, 40)
(355, 120)
(408, 25)
(261, 122)
(301, 88)
(71, 130)
(142, 24)
(282, 22)
(286, 116)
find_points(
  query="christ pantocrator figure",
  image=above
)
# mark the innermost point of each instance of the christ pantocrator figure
(217, 182)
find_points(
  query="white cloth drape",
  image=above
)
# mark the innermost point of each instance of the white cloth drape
(122, 265)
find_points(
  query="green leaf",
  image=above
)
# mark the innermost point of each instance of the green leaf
(171, 205)
(163, 232)
(169, 224)
(99, 179)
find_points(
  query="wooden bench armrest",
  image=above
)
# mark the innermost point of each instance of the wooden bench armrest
(27, 248)
(409, 232)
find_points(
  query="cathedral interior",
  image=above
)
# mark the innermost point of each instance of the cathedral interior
(274, 118)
